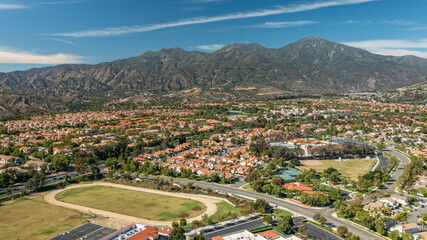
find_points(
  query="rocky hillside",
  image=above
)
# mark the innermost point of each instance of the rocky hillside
(237, 71)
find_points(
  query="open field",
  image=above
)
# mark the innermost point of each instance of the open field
(224, 208)
(351, 168)
(34, 219)
(133, 203)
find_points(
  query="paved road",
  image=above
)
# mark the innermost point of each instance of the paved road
(391, 184)
(413, 218)
(383, 161)
(286, 204)
(50, 179)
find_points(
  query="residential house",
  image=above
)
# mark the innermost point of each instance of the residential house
(38, 165)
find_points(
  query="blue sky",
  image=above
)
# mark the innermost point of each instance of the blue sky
(36, 33)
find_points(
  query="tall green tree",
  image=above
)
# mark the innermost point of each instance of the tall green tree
(285, 225)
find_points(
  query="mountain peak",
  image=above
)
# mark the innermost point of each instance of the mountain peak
(310, 65)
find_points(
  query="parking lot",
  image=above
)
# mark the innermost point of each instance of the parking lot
(315, 232)
(249, 224)
(88, 231)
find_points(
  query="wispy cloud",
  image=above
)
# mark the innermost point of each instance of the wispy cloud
(8, 6)
(212, 47)
(422, 28)
(59, 2)
(5, 6)
(284, 24)
(398, 22)
(201, 20)
(9, 55)
(396, 47)
(61, 41)
(207, 1)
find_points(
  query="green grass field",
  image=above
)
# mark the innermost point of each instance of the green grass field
(133, 203)
(34, 219)
(351, 168)
(280, 213)
(223, 208)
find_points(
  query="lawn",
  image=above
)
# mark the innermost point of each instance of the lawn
(351, 168)
(34, 219)
(224, 208)
(280, 213)
(133, 203)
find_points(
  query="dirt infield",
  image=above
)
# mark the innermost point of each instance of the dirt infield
(311, 163)
(210, 203)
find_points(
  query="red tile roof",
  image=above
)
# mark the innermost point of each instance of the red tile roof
(268, 234)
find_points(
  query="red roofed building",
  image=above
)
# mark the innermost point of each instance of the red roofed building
(217, 238)
(301, 187)
(165, 231)
(134, 231)
(268, 234)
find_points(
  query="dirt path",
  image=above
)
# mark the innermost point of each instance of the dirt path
(210, 203)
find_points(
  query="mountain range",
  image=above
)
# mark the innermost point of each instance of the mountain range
(234, 72)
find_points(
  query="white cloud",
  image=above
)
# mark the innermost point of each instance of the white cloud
(8, 6)
(5, 6)
(399, 52)
(61, 40)
(384, 43)
(398, 22)
(8, 55)
(397, 47)
(201, 20)
(207, 1)
(212, 47)
(284, 24)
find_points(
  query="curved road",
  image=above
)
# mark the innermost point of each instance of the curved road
(284, 203)
(308, 211)
(399, 170)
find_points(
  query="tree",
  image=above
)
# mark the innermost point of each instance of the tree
(37, 181)
(268, 219)
(278, 181)
(252, 176)
(95, 171)
(380, 146)
(285, 225)
(8, 191)
(199, 237)
(319, 218)
(195, 224)
(402, 216)
(182, 222)
(60, 163)
(177, 232)
(342, 231)
(394, 235)
(380, 227)
(261, 203)
(407, 236)
(353, 237)
(111, 163)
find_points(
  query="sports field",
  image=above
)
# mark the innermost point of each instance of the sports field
(34, 219)
(351, 168)
(133, 203)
